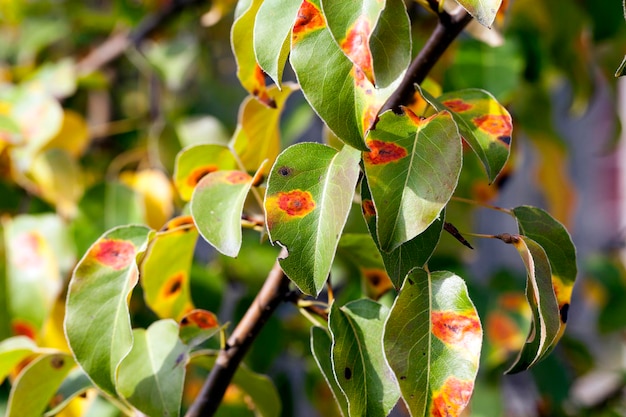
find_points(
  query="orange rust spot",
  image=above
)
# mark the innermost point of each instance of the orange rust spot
(114, 253)
(417, 120)
(503, 331)
(309, 19)
(383, 152)
(378, 280)
(461, 330)
(196, 175)
(258, 179)
(28, 248)
(173, 285)
(185, 222)
(452, 398)
(237, 177)
(296, 203)
(512, 301)
(57, 362)
(23, 328)
(200, 318)
(483, 192)
(368, 208)
(261, 91)
(356, 45)
(499, 125)
(457, 105)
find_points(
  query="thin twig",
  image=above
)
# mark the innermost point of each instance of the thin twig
(448, 28)
(273, 292)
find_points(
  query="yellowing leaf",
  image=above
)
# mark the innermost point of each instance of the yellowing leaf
(73, 135)
(156, 190)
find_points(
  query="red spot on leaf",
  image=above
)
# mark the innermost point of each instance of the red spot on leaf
(296, 203)
(356, 45)
(368, 207)
(196, 175)
(457, 105)
(200, 318)
(28, 251)
(309, 19)
(237, 177)
(498, 125)
(459, 330)
(23, 328)
(260, 92)
(114, 253)
(417, 120)
(504, 332)
(452, 398)
(378, 281)
(383, 152)
(173, 285)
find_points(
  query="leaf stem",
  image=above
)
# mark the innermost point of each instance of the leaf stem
(274, 291)
(481, 204)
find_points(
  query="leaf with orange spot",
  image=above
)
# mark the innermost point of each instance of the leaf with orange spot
(197, 325)
(432, 342)
(309, 192)
(217, 206)
(412, 254)
(38, 249)
(257, 137)
(14, 351)
(97, 303)
(358, 359)
(272, 35)
(335, 88)
(483, 122)
(373, 34)
(412, 170)
(165, 269)
(546, 324)
(249, 72)
(484, 11)
(37, 383)
(196, 161)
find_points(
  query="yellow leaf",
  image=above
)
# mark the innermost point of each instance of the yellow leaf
(156, 190)
(73, 135)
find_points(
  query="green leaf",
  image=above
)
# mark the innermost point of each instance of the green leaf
(432, 342)
(412, 170)
(484, 11)
(374, 35)
(546, 322)
(259, 387)
(621, 70)
(165, 269)
(196, 161)
(359, 364)
(37, 383)
(337, 90)
(216, 207)
(248, 71)
(483, 122)
(321, 347)
(76, 383)
(152, 375)
(13, 351)
(257, 137)
(97, 321)
(308, 198)
(198, 326)
(411, 254)
(272, 35)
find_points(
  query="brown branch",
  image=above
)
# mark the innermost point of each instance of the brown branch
(448, 28)
(115, 45)
(274, 291)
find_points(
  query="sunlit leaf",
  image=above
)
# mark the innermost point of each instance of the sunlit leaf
(73, 135)
(13, 351)
(308, 198)
(204, 129)
(257, 137)
(155, 188)
(337, 90)
(249, 72)
(151, 376)
(411, 254)
(109, 272)
(540, 295)
(55, 78)
(358, 360)
(76, 384)
(216, 207)
(259, 387)
(321, 348)
(432, 342)
(484, 11)
(374, 35)
(37, 383)
(272, 35)
(483, 122)
(196, 161)
(412, 170)
(166, 266)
